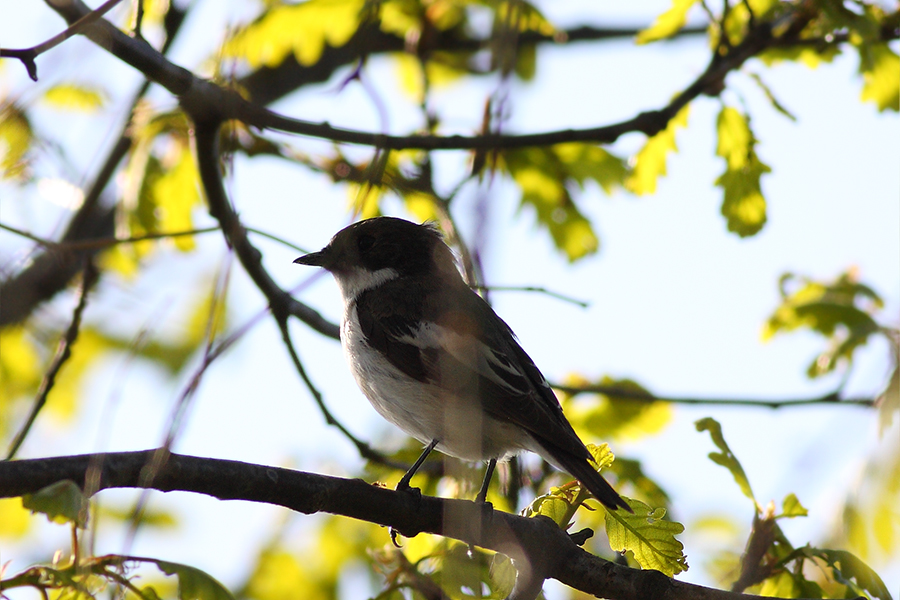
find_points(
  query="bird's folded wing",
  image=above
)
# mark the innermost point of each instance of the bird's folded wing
(453, 353)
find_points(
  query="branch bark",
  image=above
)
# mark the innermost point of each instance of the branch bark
(539, 549)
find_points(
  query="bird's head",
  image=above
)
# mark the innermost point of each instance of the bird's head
(376, 250)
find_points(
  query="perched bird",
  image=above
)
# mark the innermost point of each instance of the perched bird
(435, 359)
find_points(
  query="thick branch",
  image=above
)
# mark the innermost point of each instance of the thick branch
(537, 546)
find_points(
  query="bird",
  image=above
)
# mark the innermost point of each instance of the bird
(434, 359)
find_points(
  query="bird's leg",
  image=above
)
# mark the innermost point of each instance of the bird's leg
(482, 495)
(404, 481)
(403, 484)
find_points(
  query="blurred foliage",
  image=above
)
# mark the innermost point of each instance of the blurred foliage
(771, 565)
(843, 311)
(442, 43)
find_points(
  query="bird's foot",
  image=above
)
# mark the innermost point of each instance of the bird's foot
(416, 493)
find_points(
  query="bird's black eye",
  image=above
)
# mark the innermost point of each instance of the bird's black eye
(365, 242)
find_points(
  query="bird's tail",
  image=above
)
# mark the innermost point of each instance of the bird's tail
(583, 470)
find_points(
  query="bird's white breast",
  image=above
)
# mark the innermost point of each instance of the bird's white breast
(424, 411)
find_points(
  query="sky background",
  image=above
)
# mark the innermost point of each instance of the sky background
(676, 302)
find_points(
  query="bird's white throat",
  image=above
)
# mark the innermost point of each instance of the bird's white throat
(357, 280)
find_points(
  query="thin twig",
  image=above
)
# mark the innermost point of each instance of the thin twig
(833, 399)
(537, 289)
(99, 243)
(27, 55)
(63, 352)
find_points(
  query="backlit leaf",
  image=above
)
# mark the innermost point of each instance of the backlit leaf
(852, 572)
(668, 23)
(194, 584)
(16, 137)
(791, 507)
(20, 368)
(72, 96)
(842, 310)
(725, 458)
(743, 205)
(14, 518)
(609, 417)
(62, 502)
(648, 536)
(543, 175)
(299, 29)
(650, 163)
(880, 68)
(176, 192)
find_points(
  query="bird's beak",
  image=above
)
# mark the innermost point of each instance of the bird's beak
(315, 259)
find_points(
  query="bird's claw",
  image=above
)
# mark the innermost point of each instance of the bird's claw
(416, 493)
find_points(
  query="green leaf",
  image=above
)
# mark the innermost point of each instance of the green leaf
(72, 96)
(194, 584)
(648, 537)
(743, 205)
(302, 29)
(543, 174)
(606, 416)
(880, 68)
(62, 502)
(841, 310)
(847, 567)
(725, 458)
(650, 163)
(175, 194)
(668, 23)
(791, 507)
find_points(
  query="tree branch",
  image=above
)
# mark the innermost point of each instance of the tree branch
(539, 549)
(832, 399)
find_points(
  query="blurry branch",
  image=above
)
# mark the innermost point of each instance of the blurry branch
(198, 96)
(833, 399)
(90, 274)
(27, 55)
(100, 243)
(268, 84)
(538, 547)
(49, 273)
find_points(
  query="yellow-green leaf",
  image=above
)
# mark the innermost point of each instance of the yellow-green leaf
(881, 76)
(14, 518)
(791, 507)
(62, 502)
(194, 584)
(649, 537)
(20, 368)
(668, 23)
(176, 192)
(16, 137)
(302, 29)
(725, 458)
(650, 163)
(743, 205)
(73, 96)
(607, 416)
(541, 174)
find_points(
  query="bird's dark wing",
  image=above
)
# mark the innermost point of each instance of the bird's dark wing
(460, 345)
